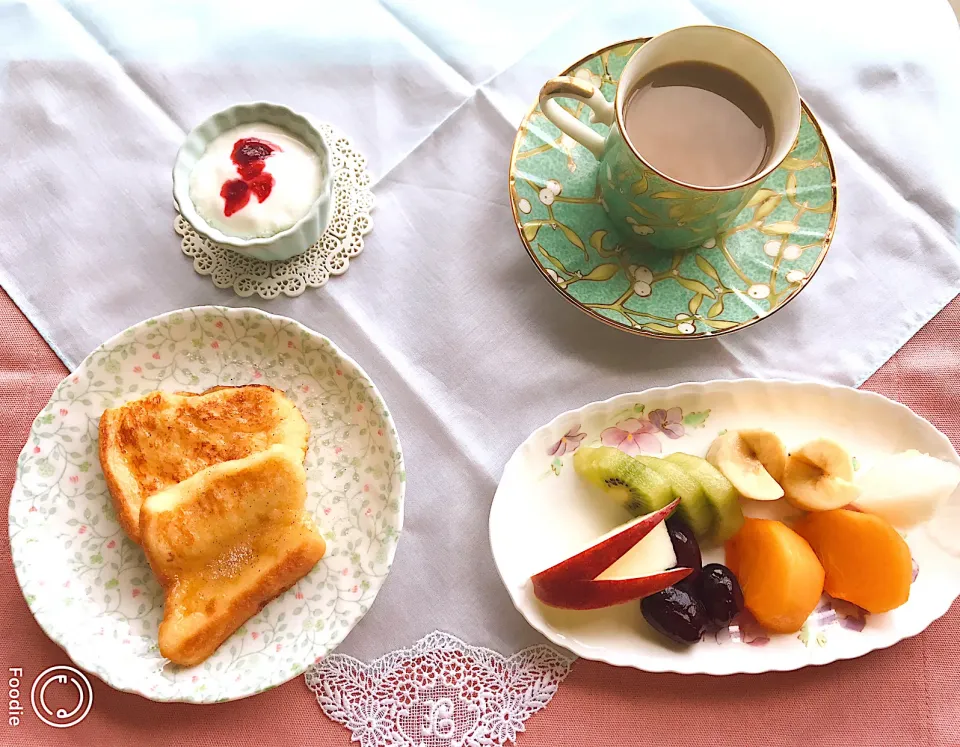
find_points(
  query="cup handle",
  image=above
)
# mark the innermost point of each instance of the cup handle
(575, 88)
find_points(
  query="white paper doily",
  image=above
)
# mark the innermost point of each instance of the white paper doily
(438, 693)
(331, 255)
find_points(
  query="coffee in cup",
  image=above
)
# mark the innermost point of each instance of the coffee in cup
(700, 123)
(701, 116)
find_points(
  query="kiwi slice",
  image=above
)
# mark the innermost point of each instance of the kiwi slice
(721, 495)
(637, 488)
(694, 507)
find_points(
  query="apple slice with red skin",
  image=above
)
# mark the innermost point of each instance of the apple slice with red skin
(593, 594)
(573, 583)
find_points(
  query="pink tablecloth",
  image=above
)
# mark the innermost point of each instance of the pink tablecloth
(906, 695)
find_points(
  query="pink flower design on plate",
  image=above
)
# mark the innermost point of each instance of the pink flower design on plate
(850, 616)
(137, 369)
(668, 422)
(743, 629)
(823, 614)
(632, 436)
(569, 441)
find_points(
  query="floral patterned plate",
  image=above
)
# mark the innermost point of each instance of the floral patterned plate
(543, 512)
(733, 280)
(90, 587)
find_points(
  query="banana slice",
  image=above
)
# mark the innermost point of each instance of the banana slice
(819, 477)
(732, 454)
(769, 449)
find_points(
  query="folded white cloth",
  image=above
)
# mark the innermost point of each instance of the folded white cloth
(470, 347)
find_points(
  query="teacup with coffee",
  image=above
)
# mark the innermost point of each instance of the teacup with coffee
(701, 116)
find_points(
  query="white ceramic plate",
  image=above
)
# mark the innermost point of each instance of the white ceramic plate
(90, 587)
(542, 512)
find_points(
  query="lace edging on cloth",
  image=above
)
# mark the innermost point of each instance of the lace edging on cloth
(440, 692)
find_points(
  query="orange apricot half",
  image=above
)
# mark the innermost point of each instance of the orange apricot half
(866, 560)
(780, 576)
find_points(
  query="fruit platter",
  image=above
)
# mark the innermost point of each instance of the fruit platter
(731, 527)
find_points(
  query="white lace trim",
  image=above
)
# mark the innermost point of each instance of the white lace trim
(331, 255)
(440, 692)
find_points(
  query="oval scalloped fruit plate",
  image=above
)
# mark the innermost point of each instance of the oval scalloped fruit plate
(90, 587)
(542, 508)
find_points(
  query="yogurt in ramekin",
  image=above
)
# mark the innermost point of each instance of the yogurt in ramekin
(254, 181)
(256, 178)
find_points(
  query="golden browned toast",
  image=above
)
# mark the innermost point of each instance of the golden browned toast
(225, 542)
(153, 443)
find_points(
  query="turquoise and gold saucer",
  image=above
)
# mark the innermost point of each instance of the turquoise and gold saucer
(733, 280)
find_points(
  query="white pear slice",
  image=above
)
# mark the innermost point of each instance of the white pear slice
(819, 477)
(733, 456)
(907, 488)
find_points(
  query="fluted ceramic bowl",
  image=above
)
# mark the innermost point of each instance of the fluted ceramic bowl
(282, 245)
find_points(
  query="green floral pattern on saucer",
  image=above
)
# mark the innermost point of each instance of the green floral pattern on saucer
(774, 247)
(90, 587)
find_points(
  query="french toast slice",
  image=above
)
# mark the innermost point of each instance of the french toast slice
(225, 542)
(152, 443)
